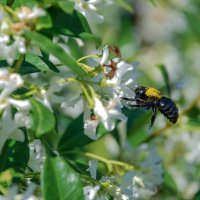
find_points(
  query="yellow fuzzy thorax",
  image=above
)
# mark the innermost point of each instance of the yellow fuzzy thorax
(152, 92)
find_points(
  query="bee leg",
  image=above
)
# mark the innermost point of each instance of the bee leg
(128, 98)
(136, 105)
(153, 117)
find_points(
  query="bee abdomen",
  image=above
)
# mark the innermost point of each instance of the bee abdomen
(168, 108)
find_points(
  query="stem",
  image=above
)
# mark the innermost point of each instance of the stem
(83, 176)
(101, 159)
(109, 163)
(21, 58)
(18, 64)
(32, 174)
(85, 57)
(87, 96)
(90, 70)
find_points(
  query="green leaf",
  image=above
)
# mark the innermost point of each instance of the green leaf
(124, 5)
(75, 22)
(72, 24)
(74, 136)
(137, 125)
(165, 77)
(19, 3)
(51, 48)
(197, 196)
(44, 22)
(36, 61)
(11, 155)
(67, 6)
(168, 180)
(193, 22)
(60, 181)
(42, 63)
(43, 118)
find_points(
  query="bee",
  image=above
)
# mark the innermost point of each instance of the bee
(151, 98)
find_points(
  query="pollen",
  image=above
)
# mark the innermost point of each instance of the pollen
(152, 92)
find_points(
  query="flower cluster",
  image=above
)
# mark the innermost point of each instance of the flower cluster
(37, 156)
(134, 184)
(97, 97)
(89, 9)
(10, 126)
(12, 26)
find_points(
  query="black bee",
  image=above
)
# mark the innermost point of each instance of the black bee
(149, 97)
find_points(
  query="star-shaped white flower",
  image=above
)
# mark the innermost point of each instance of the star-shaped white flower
(107, 115)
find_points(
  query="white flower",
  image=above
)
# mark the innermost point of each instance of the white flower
(9, 82)
(27, 195)
(105, 55)
(122, 68)
(10, 126)
(22, 119)
(9, 51)
(26, 13)
(90, 126)
(37, 156)
(9, 129)
(118, 75)
(111, 187)
(90, 192)
(106, 115)
(73, 111)
(65, 94)
(93, 168)
(143, 183)
(88, 9)
(190, 145)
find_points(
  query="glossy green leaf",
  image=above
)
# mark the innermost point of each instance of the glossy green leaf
(60, 181)
(43, 118)
(26, 67)
(11, 155)
(44, 22)
(67, 6)
(72, 24)
(41, 63)
(36, 61)
(74, 136)
(52, 48)
(75, 22)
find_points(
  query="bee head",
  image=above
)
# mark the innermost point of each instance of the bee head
(140, 93)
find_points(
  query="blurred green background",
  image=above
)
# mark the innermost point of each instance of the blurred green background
(164, 37)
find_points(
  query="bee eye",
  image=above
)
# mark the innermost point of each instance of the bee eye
(142, 95)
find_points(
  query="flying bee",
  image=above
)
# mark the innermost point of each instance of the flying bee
(151, 98)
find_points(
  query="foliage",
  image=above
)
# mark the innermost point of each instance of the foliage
(65, 70)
